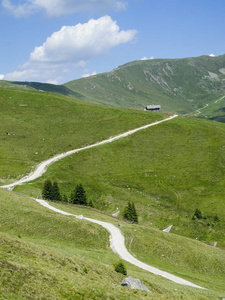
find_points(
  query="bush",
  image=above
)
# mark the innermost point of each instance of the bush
(119, 267)
(197, 214)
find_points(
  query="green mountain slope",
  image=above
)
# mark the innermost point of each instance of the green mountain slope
(43, 87)
(179, 85)
(168, 171)
(35, 126)
(44, 255)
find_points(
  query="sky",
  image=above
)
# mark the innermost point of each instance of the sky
(55, 41)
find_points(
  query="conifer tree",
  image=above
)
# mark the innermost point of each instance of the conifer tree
(78, 196)
(55, 192)
(73, 197)
(47, 190)
(134, 213)
(130, 213)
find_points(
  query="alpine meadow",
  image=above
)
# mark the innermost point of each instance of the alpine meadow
(170, 174)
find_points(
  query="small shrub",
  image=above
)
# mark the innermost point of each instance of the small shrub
(197, 214)
(119, 267)
(216, 218)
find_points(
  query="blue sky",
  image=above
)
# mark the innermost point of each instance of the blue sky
(60, 40)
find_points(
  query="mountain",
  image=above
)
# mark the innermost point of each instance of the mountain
(186, 86)
(178, 85)
(38, 86)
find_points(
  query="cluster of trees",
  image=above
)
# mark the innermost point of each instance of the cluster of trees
(51, 191)
(130, 213)
(78, 195)
(198, 215)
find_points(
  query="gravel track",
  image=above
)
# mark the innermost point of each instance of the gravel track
(116, 238)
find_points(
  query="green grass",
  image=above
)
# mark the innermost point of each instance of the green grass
(35, 126)
(45, 255)
(214, 111)
(168, 171)
(181, 256)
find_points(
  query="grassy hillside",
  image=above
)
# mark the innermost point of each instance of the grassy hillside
(49, 256)
(179, 85)
(38, 86)
(168, 171)
(35, 126)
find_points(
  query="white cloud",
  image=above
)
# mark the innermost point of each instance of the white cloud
(212, 55)
(21, 10)
(145, 58)
(88, 74)
(61, 7)
(52, 81)
(2, 76)
(82, 42)
(71, 48)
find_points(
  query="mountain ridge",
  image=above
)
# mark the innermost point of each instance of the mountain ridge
(179, 85)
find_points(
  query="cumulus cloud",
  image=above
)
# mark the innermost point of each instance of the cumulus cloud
(61, 7)
(82, 42)
(2, 76)
(72, 47)
(212, 55)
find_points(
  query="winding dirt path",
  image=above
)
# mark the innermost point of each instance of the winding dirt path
(117, 244)
(116, 238)
(42, 167)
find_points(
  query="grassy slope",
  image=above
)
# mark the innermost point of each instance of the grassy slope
(39, 86)
(179, 85)
(49, 124)
(214, 111)
(48, 256)
(134, 168)
(168, 171)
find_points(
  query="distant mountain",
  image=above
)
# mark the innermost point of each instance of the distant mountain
(193, 86)
(178, 85)
(44, 87)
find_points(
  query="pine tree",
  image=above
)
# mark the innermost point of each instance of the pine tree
(73, 197)
(47, 190)
(55, 192)
(78, 196)
(134, 213)
(130, 213)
